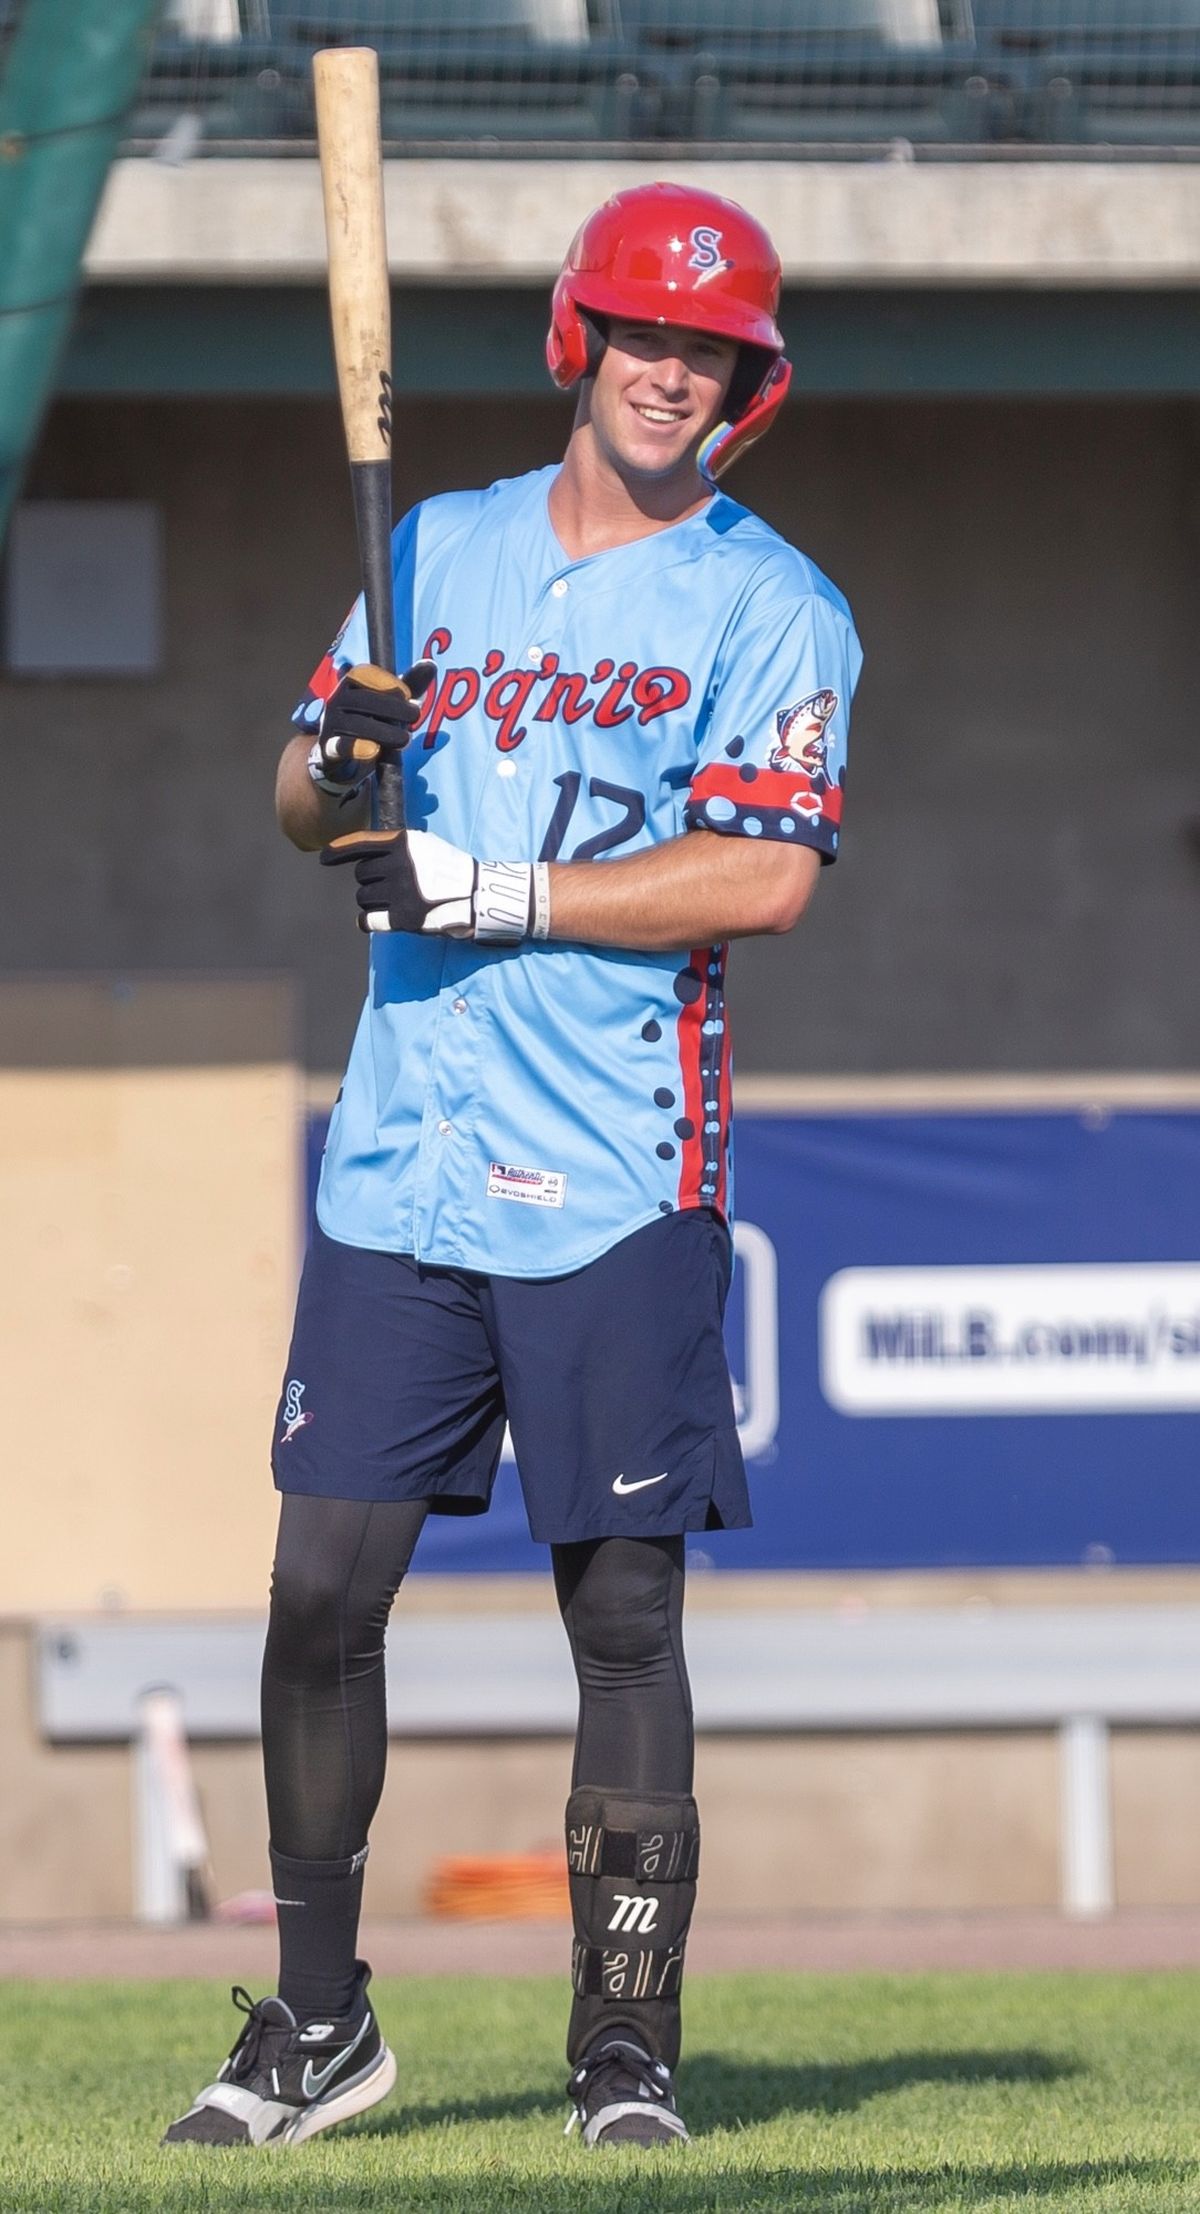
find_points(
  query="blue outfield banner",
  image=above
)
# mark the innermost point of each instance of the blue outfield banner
(959, 1339)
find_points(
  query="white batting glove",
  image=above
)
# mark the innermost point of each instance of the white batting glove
(414, 880)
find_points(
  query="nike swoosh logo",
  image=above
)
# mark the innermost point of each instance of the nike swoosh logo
(623, 1489)
(314, 2080)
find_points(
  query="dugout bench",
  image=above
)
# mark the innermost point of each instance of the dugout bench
(1077, 1671)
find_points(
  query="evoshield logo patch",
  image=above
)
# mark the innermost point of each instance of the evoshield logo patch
(533, 1187)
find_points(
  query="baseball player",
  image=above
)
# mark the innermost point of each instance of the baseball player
(624, 728)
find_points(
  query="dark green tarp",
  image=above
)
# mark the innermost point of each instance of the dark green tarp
(69, 73)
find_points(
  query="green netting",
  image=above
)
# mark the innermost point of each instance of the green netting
(784, 76)
(68, 72)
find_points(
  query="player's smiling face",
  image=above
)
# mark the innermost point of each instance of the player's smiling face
(657, 394)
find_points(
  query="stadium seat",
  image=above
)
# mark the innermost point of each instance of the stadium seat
(1034, 25)
(790, 23)
(1083, 98)
(795, 72)
(544, 94)
(243, 89)
(1097, 72)
(741, 95)
(386, 22)
(524, 71)
(775, 73)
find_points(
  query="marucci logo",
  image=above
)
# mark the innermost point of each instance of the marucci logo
(633, 1912)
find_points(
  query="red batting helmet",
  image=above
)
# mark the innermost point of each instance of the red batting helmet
(665, 253)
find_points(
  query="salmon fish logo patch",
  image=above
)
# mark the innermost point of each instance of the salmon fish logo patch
(800, 734)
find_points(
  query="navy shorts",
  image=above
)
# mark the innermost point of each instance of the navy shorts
(614, 1380)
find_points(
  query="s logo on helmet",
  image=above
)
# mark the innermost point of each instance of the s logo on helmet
(705, 243)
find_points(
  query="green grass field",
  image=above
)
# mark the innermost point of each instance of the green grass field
(851, 2095)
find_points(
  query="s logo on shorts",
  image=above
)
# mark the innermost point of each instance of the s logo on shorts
(294, 1416)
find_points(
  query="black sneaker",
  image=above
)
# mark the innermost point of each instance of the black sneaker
(622, 2097)
(286, 2080)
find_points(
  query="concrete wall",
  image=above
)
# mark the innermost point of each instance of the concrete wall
(1019, 884)
(834, 222)
(150, 1197)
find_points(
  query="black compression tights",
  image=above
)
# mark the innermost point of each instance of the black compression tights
(338, 1566)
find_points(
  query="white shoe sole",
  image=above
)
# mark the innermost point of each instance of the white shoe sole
(671, 2125)
(355, 2099)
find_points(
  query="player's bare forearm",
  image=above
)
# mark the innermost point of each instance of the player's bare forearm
(312, 819)
(699, 889)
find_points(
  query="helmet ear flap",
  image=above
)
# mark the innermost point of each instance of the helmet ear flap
(576, 339)
(752, 367)
(595, 331)
(729, 439)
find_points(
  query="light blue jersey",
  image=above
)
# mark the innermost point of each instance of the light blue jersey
(518, 1109)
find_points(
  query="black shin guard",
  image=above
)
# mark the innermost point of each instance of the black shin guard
(632, 1861)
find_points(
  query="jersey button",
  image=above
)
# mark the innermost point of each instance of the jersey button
(444, 1129)
(534, 654)
(560, 587)
(460, 1008)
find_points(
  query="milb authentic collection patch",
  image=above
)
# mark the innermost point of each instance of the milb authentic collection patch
(535, 1187)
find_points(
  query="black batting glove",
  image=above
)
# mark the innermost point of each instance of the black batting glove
(368, 718)
(414, 880)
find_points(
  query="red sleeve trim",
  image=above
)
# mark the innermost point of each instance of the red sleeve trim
(325, 679)
(749, 787)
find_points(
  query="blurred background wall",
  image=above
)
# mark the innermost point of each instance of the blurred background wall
(1025, 575)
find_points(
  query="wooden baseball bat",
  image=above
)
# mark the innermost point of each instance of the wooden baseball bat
(346, 83)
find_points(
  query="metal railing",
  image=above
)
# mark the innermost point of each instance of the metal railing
(1078, 1671)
